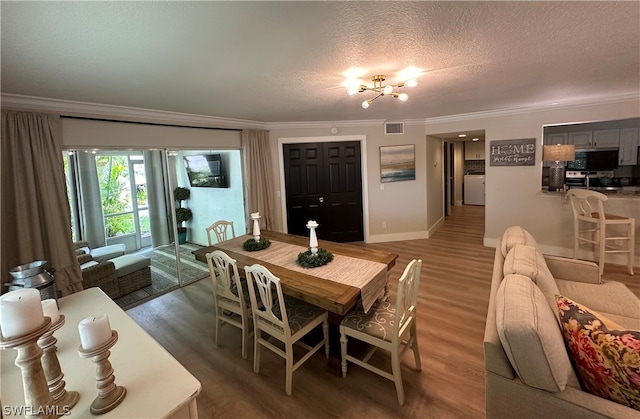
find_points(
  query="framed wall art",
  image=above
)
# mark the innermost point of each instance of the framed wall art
(397, 163)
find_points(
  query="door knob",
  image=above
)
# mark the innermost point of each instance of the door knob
(321, 199)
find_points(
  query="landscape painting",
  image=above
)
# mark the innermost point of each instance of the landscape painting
(397, 163)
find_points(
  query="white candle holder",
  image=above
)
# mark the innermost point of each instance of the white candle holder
(37, 397)
(53, 372)
(313, 240)
(256, 225)
(109, 394)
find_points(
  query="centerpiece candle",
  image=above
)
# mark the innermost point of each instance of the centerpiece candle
(94, 331)
(20, 312)
(255, 216)
(50, 309)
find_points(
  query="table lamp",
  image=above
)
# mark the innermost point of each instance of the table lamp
(558, 154)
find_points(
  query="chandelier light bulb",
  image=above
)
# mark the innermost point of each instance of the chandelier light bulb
(366, 104)
(403, 97)
(411, 83)
(353, 89)
(387, 90)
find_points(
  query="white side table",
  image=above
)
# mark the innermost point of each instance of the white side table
(157, 385)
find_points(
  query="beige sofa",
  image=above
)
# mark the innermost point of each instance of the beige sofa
(543, 383)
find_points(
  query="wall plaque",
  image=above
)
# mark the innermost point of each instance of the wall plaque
(521, 152)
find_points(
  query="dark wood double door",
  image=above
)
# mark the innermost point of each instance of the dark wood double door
(324, 183)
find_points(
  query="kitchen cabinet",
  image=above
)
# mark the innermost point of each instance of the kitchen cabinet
(553, 139)
(474, 150)
(609, 138)
(582, 139)
(629, 143)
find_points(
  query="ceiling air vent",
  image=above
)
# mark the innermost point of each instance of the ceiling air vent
(393, 128)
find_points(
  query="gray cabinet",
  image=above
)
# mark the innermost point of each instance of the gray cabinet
(609, 138)
(629, 142)
(552, 139)
(474, 150)
(582, 139)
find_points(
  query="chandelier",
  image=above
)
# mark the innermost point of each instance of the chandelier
(381, 90)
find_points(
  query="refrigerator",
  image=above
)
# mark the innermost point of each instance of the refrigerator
(474, 189)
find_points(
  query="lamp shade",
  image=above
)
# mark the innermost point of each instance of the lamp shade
(559, 152)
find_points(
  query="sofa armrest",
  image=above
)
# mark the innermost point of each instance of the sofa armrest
(81, 244)
(103, 276)
(84, 258)
(573, 269)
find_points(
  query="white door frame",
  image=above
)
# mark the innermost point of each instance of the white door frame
(363, 169)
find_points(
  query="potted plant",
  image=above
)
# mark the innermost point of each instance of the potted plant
(183, 214)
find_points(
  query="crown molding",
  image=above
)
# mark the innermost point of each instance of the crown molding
(325, 124)
(123, 113)
(627, 97)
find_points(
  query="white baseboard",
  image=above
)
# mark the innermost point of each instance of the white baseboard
(382, 238)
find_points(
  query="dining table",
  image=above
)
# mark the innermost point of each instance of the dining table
(356, 274)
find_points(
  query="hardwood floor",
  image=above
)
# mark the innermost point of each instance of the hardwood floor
(453, 299)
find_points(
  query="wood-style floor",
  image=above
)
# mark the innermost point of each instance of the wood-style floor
(454, 293)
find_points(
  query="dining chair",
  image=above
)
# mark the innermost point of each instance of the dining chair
(231, 297)
(590, 223)
(284, 318)
(223, 229)
(386, 327)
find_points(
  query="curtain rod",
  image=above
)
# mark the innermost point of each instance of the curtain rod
(147, 123)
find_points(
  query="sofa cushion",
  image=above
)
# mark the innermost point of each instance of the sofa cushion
(130, 263)
(529, 332)
(607, 360)
(88, 264)
(528, 261)
(515, 235)
(102, 254)
(609, 297)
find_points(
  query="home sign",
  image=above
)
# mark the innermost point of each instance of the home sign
(521, 152)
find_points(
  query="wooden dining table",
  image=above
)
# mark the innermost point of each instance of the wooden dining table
(335, 295)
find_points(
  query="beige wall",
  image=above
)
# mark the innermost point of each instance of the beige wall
(83, 133)
(411, 209)
(402, 205)
(513, 193)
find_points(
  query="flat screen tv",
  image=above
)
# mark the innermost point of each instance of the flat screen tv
(205, 170)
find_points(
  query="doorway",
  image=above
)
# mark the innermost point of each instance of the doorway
(323, 182)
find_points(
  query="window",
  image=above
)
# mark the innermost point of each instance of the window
(123, 189)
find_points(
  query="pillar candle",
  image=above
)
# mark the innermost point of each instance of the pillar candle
(20, 312)
(50, 309)
(313, 239)
(255, 216)
(94, 331)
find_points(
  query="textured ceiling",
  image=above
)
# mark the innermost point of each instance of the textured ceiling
(284, 61)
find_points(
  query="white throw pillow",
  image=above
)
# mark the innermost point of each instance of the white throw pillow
(530, 335)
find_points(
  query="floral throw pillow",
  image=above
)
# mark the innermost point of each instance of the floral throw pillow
(607, 361)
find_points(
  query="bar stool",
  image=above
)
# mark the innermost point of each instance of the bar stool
(589, 227)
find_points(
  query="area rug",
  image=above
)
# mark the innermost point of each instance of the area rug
(164, 272)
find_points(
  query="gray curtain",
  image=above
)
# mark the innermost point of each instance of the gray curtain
(91, 216)
(36, 222)
(159, 204)
(259, 176)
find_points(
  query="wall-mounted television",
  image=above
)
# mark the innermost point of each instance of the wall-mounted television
(206, 170)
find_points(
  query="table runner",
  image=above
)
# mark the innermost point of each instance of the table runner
(370, 277)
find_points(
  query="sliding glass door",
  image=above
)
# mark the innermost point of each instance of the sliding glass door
(127, 196)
